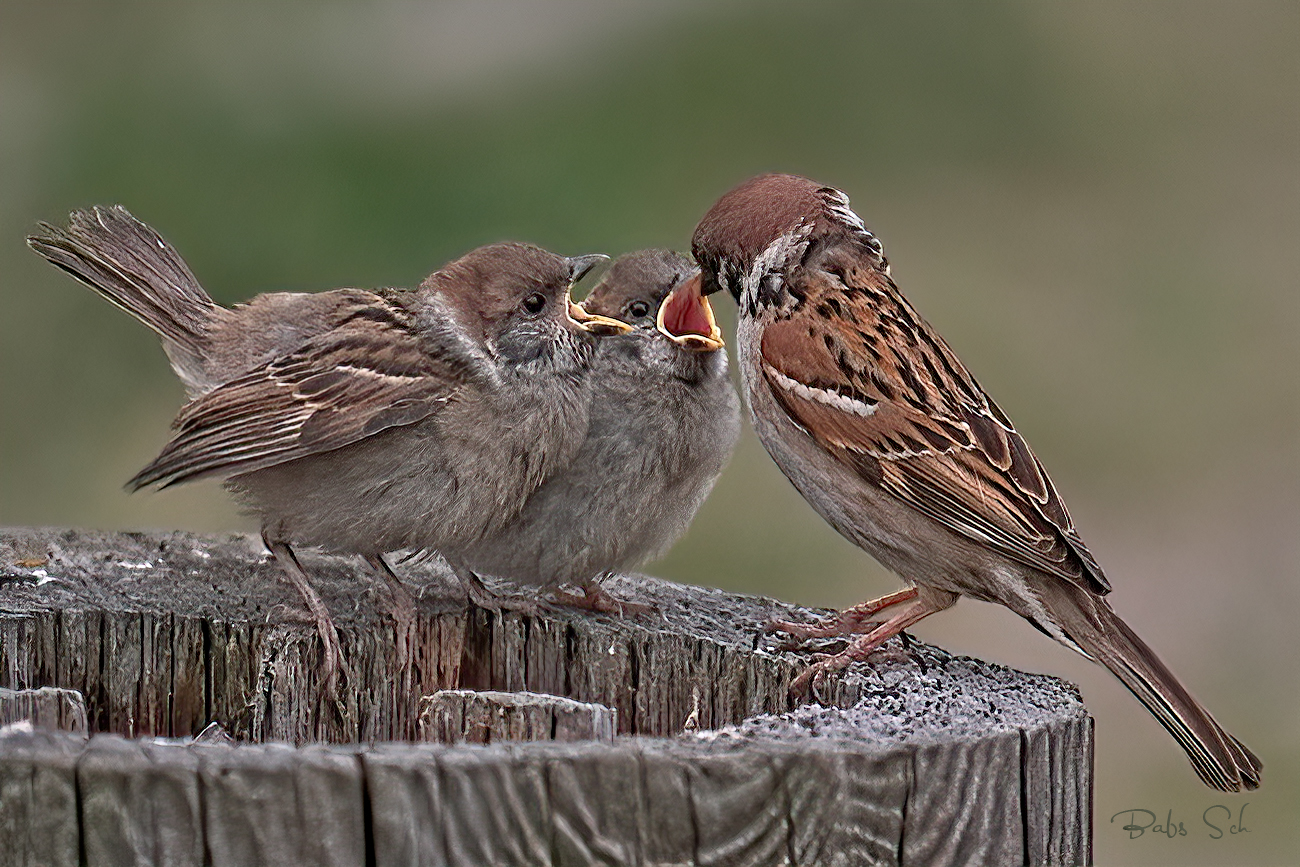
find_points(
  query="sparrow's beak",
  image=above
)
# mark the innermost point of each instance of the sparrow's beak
(601, 325)
(580, 265)
(710, 283)
(686, 318)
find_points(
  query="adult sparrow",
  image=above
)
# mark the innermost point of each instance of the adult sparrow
(874, 419)
(664, 419)
(359, 421)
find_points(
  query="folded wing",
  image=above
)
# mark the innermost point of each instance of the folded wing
(373, 372)
(880, 391)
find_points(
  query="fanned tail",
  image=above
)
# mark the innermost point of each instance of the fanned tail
(132, 266)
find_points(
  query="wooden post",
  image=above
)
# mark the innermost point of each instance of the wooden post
(47, 707)
(917, 757)
(455, 716)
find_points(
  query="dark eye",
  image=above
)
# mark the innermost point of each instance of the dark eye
(638, 309)
(535, 303)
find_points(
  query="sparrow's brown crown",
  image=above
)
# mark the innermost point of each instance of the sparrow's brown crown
(749, 219)
(500, 282)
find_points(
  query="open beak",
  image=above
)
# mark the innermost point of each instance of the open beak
(686, 318)
(601, 325)
(580, 265)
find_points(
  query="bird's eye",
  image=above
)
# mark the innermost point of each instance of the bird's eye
(535, 303)
(638, 309)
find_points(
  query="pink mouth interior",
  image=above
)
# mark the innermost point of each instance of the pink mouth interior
(685, 313)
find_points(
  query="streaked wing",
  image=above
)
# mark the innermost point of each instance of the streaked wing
(370, 373)
(879, 390)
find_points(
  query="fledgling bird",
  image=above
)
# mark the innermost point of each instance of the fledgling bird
(664, 419)
(885, 433)
(359, 421)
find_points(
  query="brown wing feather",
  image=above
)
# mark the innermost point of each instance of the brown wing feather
(879, 390)
(371, 373)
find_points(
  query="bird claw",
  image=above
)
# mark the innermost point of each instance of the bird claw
(801, 632)
(502, 604)
(860, 619)
(480, 596)
(801, 686)
(597, 598)
(817, 646)
(825, 664)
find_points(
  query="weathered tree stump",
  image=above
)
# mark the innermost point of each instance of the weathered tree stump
(455, 716)
(48, 707)
(918, 758)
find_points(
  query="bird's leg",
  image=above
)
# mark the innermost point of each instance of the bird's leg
(850, 621)
(596, 598)
(297, 576)
(402, 609)
(480, 595)
(475, 589)
(403, 603)
(925, 601)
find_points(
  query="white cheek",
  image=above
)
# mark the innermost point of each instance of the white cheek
(777, 256)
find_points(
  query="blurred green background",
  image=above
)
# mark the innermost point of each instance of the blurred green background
(1097, 204)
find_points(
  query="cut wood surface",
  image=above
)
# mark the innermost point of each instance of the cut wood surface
(917, 757)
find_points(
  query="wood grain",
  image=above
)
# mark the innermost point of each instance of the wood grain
(917, 757)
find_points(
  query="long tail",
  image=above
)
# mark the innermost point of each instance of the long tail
(132, 266)
(1220, 760)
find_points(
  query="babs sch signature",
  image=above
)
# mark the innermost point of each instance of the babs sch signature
(1217, 822)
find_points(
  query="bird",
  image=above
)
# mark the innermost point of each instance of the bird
(358, 421)
(887, 435)
(663, 422)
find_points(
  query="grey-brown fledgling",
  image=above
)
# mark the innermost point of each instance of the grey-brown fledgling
(887, 435)
(359, 421)
(663, 421)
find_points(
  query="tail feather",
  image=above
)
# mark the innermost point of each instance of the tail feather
(132, 266)
(1220, 760)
